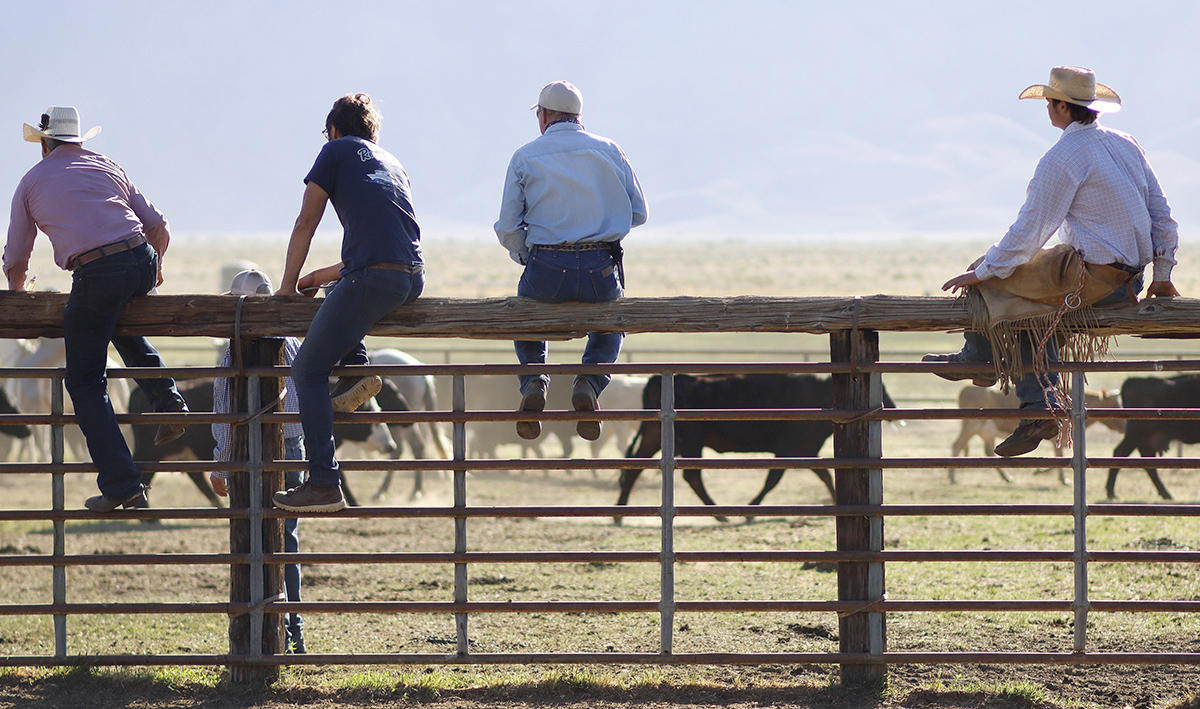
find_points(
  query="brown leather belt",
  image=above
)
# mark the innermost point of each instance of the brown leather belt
(100, 252)
(397, 266)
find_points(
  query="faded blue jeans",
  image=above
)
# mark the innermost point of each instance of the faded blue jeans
(335, 338)
(1031, 387)
(98, 292)
(293, 449)
(570, 276)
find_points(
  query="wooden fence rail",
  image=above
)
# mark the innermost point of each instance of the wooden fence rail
(860, 512)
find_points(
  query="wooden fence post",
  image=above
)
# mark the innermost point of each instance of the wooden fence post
(257, 633)
(864, 631)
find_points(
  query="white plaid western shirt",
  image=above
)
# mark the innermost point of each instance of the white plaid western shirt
(1097, 190)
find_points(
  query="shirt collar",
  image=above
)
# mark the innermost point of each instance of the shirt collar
(563, 126)
(1077, 126)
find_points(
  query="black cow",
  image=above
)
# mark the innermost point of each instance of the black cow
(197, 441)
(15, 430)
(1153, 437)
(753, 391)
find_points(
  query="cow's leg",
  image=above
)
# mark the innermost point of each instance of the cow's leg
(1123, 449)
(692, 477)
(629, 476)
(959, 447)
(1153, 473)
(350, 498)
(824, 476)
(989, 450)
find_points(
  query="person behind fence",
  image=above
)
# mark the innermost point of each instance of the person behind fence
(381, 269)
(1097, 190)
(113, 240)
(570, 196)
(254, 282)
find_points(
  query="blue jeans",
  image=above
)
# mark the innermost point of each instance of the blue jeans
(293, 449)
(570, 276)
(98, 292)
(335, 338)
(1031, 387)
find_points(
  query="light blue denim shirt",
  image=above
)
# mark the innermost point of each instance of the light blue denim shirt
(568, 186)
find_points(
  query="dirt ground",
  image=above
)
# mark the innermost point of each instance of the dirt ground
(1167, 687)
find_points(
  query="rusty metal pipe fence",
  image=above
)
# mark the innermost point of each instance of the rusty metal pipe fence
(871, 658)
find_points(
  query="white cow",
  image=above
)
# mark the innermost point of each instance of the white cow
(421, 394)
(33, 396)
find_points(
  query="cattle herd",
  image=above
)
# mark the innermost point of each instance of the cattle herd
(796, 438)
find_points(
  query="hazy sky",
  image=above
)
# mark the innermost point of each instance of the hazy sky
(745, 119)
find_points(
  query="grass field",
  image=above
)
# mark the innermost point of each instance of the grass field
(482, 271)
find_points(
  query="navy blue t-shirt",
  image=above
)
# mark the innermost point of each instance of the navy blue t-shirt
(369, 190)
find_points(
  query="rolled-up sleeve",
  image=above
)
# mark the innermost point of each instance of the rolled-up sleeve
(510, 227)
(1164, 230)
(21, 230)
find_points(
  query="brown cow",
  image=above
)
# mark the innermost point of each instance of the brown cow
(988, 430)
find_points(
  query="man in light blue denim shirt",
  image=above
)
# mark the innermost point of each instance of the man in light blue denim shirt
(570, 196)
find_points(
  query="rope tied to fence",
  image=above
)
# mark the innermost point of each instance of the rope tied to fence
(261, 605)
(868, 607)
(857, 417)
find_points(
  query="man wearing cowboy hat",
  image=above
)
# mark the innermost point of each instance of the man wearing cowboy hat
(570, 196)
(112, 239)
(1096, 189)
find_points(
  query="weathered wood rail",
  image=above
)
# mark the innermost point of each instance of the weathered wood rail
(40, 314)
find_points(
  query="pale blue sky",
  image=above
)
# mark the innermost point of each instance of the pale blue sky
(745, 119)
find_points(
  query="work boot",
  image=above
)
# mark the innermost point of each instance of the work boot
(1029, 433)
(104, 503)
(168, 432)
(583, 398)
(311, 498)
(352, 392)
(986, 379)
(533, 400)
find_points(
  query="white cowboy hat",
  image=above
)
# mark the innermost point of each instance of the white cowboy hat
(59, 123)
(1076, 85)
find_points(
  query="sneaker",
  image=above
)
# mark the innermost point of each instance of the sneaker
(1029, 433)
(311, 498)
(168, 432)
(104, 503)
(352, 392)
(980, 380)
(583, 398)
(535, 400)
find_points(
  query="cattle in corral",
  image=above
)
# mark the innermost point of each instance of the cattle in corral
(495, 393)
(623, 392)
(988, 430)
(420, 394)
(197, 441)
(748, 391)
(33, 396)
(16, 430)
(1150, 437)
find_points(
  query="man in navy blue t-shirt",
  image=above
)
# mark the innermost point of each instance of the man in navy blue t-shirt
(381, 269)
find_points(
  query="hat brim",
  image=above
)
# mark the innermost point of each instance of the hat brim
(1106, 101)
(34, 135)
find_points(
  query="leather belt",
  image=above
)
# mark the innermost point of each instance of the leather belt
(576, 246)
(397, 266)
(100, 252)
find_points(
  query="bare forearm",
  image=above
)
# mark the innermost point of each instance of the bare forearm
(297, 253)
(16, 276)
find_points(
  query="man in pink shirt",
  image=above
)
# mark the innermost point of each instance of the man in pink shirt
(112, 239)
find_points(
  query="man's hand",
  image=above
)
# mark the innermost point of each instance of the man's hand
(1162, 289)
(961, 281)
(220, 484)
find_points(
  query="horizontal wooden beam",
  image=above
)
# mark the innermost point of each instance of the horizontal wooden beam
(40, 315)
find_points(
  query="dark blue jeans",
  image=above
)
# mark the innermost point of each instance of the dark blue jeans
(1031, 387)
(566, 276)
(293, 449)
(335, 338)
(98, 292)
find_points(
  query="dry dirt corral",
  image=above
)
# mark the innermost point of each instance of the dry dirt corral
(477, 271)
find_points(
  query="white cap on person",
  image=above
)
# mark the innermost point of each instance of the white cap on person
(561, 96)
(250, 282)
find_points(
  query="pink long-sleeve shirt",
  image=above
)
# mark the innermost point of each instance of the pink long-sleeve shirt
(81, 200)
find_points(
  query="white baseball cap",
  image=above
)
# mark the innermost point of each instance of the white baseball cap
(250, 282)
(59, 123)
(561, 96)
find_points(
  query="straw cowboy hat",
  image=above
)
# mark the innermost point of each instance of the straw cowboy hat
(59, 123)
(1076, 85)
